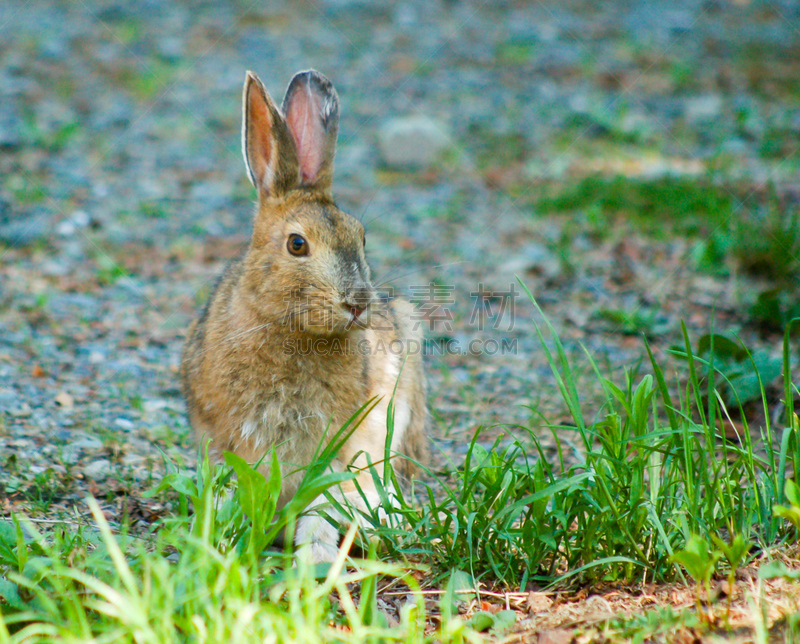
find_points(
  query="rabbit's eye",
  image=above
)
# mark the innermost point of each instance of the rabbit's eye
(363, 240)
(297, 245)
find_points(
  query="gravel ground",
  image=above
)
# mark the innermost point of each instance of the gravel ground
(123, 192)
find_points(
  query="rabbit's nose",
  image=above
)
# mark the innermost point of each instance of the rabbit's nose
(355, 311)
(359, 297)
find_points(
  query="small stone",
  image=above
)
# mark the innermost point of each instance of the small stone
(155, 405)
(98, 470)
(88, 443)
(535, 260)
(24, 229)
(65, 228)
(703, 108)
(680, 21)
(171, 49)
(80, 218)
(63, 399)
(736, 146)
(53, 268)
(23, 411)
(412, 142)
(10, 127)
(124, 423)
(404, 15)
(370, 6)
(132, 460)
(634, 124)
(70, 455)
(55, 47)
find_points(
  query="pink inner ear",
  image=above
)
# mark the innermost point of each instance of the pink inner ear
(305, 123)
(259, 142)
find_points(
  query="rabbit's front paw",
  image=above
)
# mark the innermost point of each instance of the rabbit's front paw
(317, 540)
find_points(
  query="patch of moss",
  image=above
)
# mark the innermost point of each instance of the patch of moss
(778, 143)
(515, 52)
(690, 205)
(496, 149)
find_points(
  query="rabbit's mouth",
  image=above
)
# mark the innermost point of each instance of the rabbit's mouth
(358, 317)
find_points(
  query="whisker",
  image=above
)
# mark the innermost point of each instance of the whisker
(390, 277)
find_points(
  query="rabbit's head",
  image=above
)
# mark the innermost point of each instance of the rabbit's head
(305, 268)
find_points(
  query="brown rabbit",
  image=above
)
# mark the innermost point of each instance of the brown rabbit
(294, 338)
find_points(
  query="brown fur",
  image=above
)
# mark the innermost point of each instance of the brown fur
(249, 382)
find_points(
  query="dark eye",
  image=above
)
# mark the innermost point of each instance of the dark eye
(364, 240)
(297, 245)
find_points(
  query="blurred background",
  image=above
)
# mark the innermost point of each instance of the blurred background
(634, 162)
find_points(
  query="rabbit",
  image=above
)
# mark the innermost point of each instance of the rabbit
(250, 383)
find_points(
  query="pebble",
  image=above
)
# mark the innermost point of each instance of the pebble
(703, 108)
(97, 470)
(533, 259)
(25, 229)
(88, 443)
(55, 268)
(66, 228)
(65, 400)
(155, 405)
(124, 423)
(171, 48)
(10, 127)
(412, 142)
(22, 411)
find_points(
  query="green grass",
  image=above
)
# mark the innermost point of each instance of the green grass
(496, 149)
(652, 470)
(635, 322)
(758, 237)
(778, 143)
(515, 52)
(25, 189)
(207, 575)
(644, 489)
(668, 203)
(153, 210)
(147, 82)
(109, 267)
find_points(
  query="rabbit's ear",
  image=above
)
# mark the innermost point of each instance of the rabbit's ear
(269, 151)
(311, 107)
